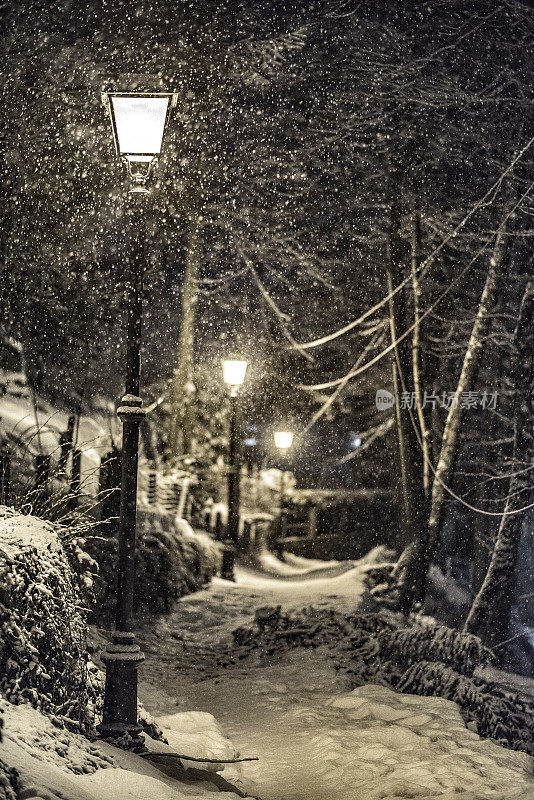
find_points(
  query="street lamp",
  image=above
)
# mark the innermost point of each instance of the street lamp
(234, 371)
(283, 440)
(138, 123)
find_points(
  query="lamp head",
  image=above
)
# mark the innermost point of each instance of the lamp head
(283, 440)
(139, 121)
(234, 371)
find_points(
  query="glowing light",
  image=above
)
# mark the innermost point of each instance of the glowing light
(356, 442)
(251, 442)
(139, 123)
(283, 439)
(234, 371)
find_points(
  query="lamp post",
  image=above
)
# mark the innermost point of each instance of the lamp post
(234, 371)
(138, 122)
(283, 441)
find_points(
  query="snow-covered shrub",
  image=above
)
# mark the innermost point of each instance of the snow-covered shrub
(43, 657)
(497, 714)
(431, 679)
(171, 560)
(462, 652)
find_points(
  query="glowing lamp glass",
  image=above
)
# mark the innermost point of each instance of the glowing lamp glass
(139, 124)
(234, 372)
(283, 439)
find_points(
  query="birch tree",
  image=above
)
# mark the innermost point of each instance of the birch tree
(424, 548)
(490, 613)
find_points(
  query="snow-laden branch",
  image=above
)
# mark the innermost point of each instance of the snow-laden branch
(426, 263)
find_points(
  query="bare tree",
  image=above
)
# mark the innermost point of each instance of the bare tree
(418, 559)
(491, 609)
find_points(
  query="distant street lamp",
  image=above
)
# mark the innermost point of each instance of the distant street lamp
(283, 440)
(138, 121)
(234, 371)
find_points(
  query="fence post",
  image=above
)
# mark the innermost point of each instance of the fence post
(219, 527)
(246, 539)
(312, 521)
(76, 476)
(110, 478)
(189, 508)
(5, 479)
(42, 470)
(65, 443)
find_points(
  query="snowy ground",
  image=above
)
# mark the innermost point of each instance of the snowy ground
(315, 740)
(313, 737)
(56, 765)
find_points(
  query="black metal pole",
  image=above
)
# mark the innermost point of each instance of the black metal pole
(66, 439)
(123, 656)
(234, 487)
(279, 547)
(42, 471)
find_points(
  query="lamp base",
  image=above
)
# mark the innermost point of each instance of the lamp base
(120, 725)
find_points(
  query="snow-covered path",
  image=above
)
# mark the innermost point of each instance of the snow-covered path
(314, 738)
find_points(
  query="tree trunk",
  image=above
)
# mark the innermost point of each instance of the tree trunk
(411, 494)
(472, 359)
(483, 533)
(484, 527)
(491, 609)
(417, 560)
(416, 353)
(182, 422)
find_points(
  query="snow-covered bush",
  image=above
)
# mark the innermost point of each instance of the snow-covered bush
(428, 642)
(43, 657)
(497, 714)
(171, 560)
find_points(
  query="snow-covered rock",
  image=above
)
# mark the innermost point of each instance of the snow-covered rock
(424, 749)
(377, 744)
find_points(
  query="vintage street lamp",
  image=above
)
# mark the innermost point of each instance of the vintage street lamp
(283, 440)
(138, 122)
(234, 371)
